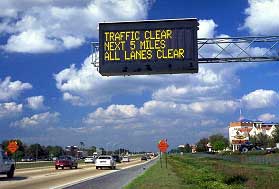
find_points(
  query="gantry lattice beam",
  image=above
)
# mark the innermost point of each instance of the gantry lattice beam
(227, 50)
(238, 49)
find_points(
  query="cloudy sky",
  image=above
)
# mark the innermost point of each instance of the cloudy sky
(51, 94)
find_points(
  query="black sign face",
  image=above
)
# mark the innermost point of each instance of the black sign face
(148, 47)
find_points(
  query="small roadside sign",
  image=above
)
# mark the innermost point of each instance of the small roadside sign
(12, 146)
(163, 146)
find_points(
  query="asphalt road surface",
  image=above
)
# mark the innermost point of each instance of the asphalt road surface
(40, 178)
(115, 180)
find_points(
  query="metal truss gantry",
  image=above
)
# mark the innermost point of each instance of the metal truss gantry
(227, 50)
(238, 49)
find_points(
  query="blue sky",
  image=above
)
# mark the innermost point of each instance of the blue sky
(51, 94)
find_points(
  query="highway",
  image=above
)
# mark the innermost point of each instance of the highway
(115, 180)
(40, 178)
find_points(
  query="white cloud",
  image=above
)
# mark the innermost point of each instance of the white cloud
(9, 109)
(35, 102)
(267, 117)
(31, 41)
(260, 99)
(11, 89)
(155, 113)
(262, 17)
(46, 119)
(75, 100)
(218, 106)
(113, 114)
(210, 122)
(163, 108)
(207, 28)
(52, 25)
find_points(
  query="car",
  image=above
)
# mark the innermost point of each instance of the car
(117, 158)
(66, 161)
(105, 161)
(48, 159)
(89, 159)
(126, 159)
(270, 150)
(248, 146)
(148, 157)
(143, 158)
(27, 159)
(7, 166)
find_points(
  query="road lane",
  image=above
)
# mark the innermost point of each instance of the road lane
(115, 180)
(48, 178)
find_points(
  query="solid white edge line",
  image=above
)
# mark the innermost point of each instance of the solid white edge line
(95, 176)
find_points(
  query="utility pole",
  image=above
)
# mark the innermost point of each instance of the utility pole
(37, 151)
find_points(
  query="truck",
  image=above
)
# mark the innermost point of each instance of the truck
(7, 165)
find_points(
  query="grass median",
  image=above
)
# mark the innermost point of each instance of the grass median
(199, 173)
(26, 165)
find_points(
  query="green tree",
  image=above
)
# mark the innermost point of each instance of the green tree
(219, 145)
(81, 145)
(91, 150)
(102, 150)
(201, 145)
(218, 142)
(35, 151)
(55, 151)
(262, 140)
(186, 149)
(275, 135)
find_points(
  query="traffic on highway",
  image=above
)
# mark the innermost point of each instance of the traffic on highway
(66, 170)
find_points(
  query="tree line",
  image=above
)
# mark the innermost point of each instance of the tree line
(40, 152)
(35, 151)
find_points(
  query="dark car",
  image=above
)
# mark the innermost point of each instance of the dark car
(116, 158)
(248, 146)
(144, 158)
(66, 161)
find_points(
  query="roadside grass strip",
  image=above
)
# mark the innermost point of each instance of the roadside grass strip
(156, 177)
(207, 173)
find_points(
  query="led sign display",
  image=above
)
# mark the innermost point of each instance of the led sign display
(148, 47)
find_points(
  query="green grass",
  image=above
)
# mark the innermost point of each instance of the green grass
(199, 173)
(156, 177)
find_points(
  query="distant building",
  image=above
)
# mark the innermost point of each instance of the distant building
(241, 131)
(75, 152)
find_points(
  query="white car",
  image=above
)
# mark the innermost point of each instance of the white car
(89, 159)
(126, 159)
(7, 166)
(105, 161)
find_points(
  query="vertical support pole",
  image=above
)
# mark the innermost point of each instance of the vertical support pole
(161, 159)
(166, 159)
(15, 159)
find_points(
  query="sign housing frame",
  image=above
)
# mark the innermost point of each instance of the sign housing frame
(149, 67)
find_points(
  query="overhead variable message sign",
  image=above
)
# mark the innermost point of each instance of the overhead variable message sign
(148, 47)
